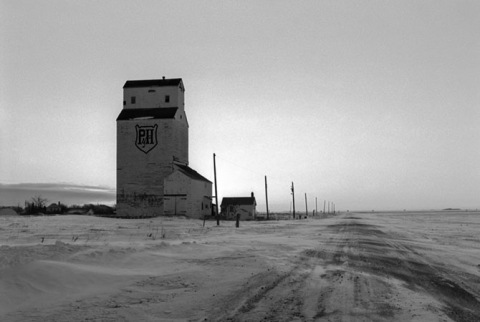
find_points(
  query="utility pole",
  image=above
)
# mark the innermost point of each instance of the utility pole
(266, 196)
(306, 206)
(216, 193)
(293, 195)
(324, 207)
(316, 208)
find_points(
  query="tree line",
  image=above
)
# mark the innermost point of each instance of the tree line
(38, 205)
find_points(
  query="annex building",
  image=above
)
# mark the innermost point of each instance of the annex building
(153, 177)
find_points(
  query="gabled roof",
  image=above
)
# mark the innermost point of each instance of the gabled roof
(147, 113)
(238, 201)
(153, 82)
(186, 170)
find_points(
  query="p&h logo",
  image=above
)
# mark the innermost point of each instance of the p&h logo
(146, 138)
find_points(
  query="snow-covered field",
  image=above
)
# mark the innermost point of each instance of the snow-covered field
(348, 267)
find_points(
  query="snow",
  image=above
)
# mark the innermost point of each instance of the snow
(359, 266)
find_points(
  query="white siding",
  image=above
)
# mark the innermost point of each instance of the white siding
(247, 212)
(149, 97)
(198, 195)
(140, 175)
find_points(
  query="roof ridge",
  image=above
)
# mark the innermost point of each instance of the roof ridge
(191, 173)
(151, 112)
(153, 82)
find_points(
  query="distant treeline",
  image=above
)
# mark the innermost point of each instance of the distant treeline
(39, 206)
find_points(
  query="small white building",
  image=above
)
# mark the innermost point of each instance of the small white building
(54, 208)
(244, 206)
(187, 193)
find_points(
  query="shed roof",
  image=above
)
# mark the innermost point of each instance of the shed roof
(191, 173)
(153, 82)
(147, 113)
(238, 201)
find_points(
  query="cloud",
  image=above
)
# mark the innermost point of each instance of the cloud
(67, 193)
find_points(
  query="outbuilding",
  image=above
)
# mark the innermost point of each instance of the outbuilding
(244, 206)
(187, 193)
(54, 208)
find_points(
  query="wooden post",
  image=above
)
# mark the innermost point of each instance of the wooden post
(216, 192)
(293, 195)
(306, 206)
(266, 197)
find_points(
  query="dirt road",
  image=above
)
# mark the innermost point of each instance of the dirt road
(347, 267)
(357, 272)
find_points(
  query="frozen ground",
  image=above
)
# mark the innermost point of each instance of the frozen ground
(348, 267)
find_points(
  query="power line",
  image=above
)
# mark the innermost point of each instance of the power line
(279, 179)
(274, 177)
(239, 166)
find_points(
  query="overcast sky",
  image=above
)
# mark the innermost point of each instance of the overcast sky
(370, 104)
